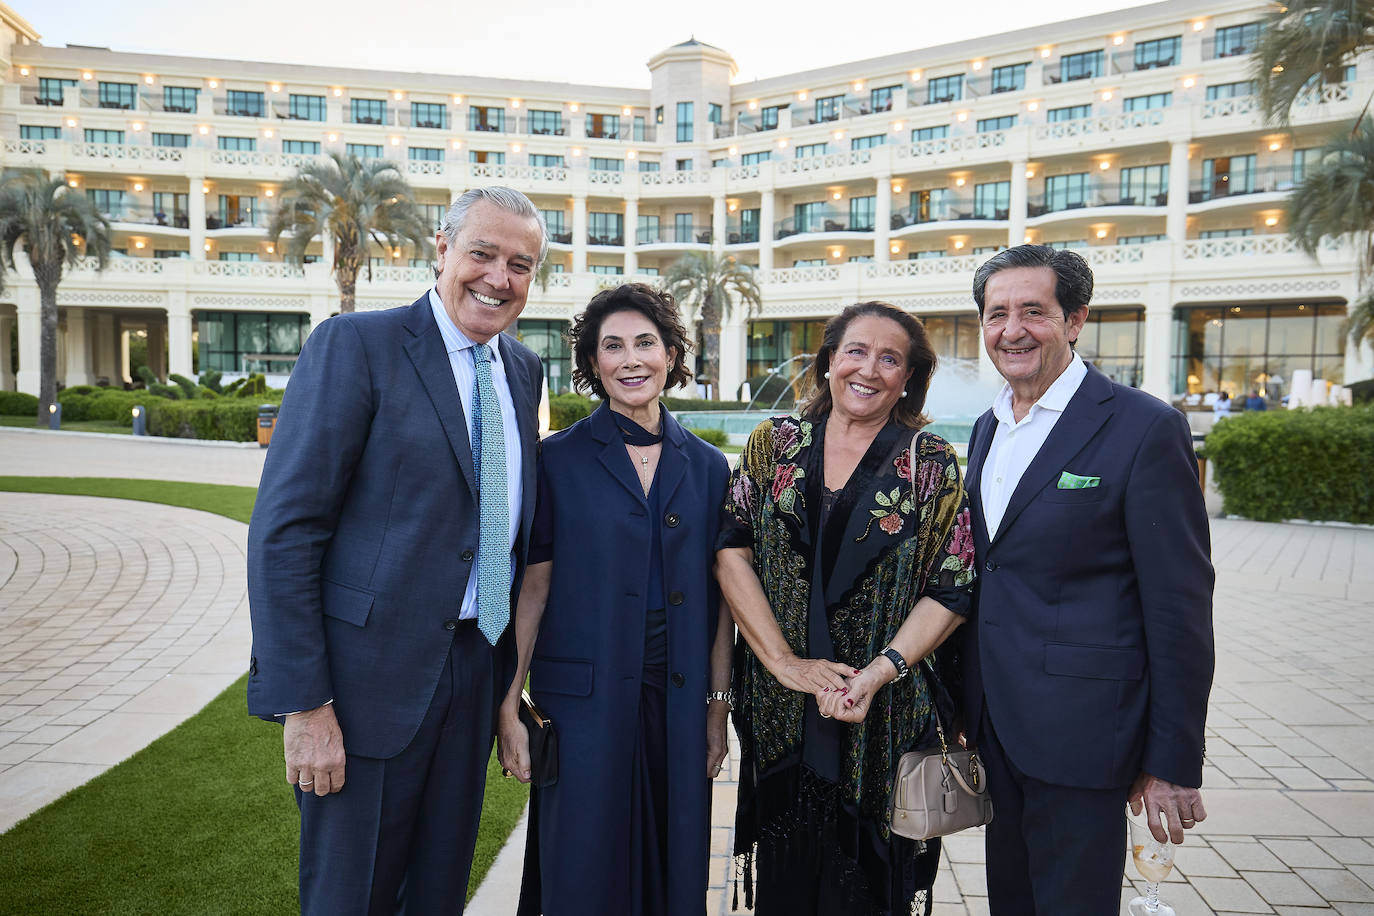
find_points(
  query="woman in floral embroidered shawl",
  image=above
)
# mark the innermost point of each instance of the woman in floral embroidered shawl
(839, 542)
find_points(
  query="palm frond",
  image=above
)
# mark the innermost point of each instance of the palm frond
(1336, 196)
(1305, 44)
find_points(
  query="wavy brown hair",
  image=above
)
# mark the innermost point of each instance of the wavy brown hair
(654, 304)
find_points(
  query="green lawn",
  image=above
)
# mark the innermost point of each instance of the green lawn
(201, 820)
(85, 426)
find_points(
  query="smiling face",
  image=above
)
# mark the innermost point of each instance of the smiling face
(869, 368)
(1026, 331)
(632, 364)
(486, 270)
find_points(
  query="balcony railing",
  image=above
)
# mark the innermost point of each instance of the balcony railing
(1093, 194)
(129, 151)
(828, 220)
(673, 235)
(1083, 127)
(739, 234)
(680, 177)
(991, 139)
(1258, 181)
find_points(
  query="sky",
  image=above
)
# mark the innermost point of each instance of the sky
(595, 42)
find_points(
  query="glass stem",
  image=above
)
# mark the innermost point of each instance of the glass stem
(1152, 895)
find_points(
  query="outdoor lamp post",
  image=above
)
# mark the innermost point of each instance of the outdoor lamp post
(54, 416)
(140, 420)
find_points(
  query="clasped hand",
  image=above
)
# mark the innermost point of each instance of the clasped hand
(513, 741)
(842, 692)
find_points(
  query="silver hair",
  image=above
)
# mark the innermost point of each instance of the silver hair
(507, 199)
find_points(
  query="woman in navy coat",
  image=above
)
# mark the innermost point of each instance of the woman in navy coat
(621, 628)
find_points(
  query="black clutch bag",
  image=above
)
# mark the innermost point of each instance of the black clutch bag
(543, 743)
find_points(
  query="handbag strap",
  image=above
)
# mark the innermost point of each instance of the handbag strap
(934, 703)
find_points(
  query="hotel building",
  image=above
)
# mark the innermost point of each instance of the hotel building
(1134, 137)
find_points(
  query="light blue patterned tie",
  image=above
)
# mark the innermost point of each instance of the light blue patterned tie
(493, 511)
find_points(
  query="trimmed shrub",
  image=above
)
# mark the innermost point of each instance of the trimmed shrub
(18, 404)
(221, 419)
(676, 404)
(210, 379)
(189, 389)
(254, 386)
(567, 409)
(1308, 464)
(717, 437)
(83, 402)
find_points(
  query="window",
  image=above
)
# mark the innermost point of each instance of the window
(547, 339)
(364, 150)
(1257, 346)
(1068, 244)
(367, 111)
(238, 144)
(171, 208)
(603, 126)
(860, 259)
(117, 95)
(713, 112)
(809, 262)
(922, 134)
(1065, 192)
(756, 158)
(880, 99)
(648, 165)
(809, 217)
(649, 271)
(992, 200)
(609, 270)
(99, 135)
(1304, 159)
(1316, 81)
(50, 90)
(1225, 233)
(426, 154)
(1069, 113)
(305, 107)
(171, 253)
(748, 229)
(1113, 341)
(807, 150)
(545, 161)
(549, 123)
(113, 203)
(1230, 90)
(926, 255)
(768, 118)
(682, 165)
(945, 89)
(720, 163)
(237, 341)
(773, 343)
(1161, 52)
(861, 213)
(180, 99)
(1011, 78)
(867, 142)
(601, 164)
(1082, 66)
(929, 205)
(1004, 122)
(487, 118)
(238, 255)
(1147, 102)
(1235, 40)
(828, 108)
(658, 115)
(1145, 186)
(555, 222)
(428, 114)
(178, 140)
(433, 214)
(301, 147)
(39, 132)
(245, 104)
(954, 337)
(237, 210)
(605, 228)
(1228, 175)
(685, 119)
(1140, 239)
(637, 131)
(682, 228)
(646, 233)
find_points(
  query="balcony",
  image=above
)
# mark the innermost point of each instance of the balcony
(1092, 194)
(543, 127)
(948, 209)
(1092, 126)
(736, 233)
(1241, 183)
(673, 235)
(830, 219)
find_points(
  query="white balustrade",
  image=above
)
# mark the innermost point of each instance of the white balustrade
(830, 161)
(1082, 127)
(686, 176)
(135, 266)
(605, 176)
(1104, 255)
(1242, 246)
(26, 147)
(129, 151)
(258, 270)
(398, 273)
(425, 167)
(744, 172)
(925, 267)
(941, 145)
(821, 274)
(1229, 108)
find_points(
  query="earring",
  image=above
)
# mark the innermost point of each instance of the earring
(827, 375)
(903, 392)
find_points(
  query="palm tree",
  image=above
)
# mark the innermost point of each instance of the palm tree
(55, 223)
(1336, 199)
(1306, 43)
(359, 202)
(705, 283)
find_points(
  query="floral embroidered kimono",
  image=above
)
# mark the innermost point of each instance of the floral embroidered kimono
(841, 570)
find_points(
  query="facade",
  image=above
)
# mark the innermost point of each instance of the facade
(1132, 136)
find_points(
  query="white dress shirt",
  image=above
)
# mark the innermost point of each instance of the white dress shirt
(460, 358)
(1015, 445)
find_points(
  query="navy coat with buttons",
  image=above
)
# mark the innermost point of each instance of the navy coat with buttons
(586, 670)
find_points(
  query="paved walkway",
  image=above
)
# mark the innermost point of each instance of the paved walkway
(116, 616)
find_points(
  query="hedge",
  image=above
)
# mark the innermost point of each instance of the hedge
(1288, 464)
(85, 402)
(678, 404)
(717, 437)
(224, 419)
(567, 409)
(18, 404)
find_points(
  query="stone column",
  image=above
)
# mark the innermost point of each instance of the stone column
(631, 234)
(766, 219)
(719, 224)
(6, 364)
(179, 345)
(27, 373)
(78, 349)
(1159, 315)
(1176, 223)
(322, 306)
(1020, 195)
(733, 337)
(195, 211)
(882, 220)
(579, 234)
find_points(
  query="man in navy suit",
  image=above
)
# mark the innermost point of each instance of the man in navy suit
(1089, 661)
(363, 560)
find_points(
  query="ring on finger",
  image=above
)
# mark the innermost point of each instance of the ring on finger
(825, 715)
(306, 785)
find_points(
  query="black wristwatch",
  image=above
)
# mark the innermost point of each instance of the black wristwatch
(898, 662)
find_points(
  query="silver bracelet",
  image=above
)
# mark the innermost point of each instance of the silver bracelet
(728, 696)
(898, 662)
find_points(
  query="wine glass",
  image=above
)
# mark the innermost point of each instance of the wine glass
(1153, 860)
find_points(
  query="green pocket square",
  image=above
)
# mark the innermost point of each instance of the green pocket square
(1069, 481)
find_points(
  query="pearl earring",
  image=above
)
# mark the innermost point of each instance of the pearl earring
(827, 375)
(903, 392)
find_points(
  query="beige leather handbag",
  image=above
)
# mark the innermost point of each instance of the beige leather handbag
(938, 791)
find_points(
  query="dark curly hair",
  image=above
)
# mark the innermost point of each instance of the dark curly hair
(654, 304)
(920, 359)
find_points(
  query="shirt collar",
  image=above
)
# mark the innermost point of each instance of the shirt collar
(454, 339)
(1055, 398)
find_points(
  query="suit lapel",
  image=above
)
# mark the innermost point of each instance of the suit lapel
(613, 456)
(1088, 409)
(427, 354)
(673, 460)
(983, 430)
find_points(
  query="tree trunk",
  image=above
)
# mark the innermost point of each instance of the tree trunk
(347, 278)
(47, 340)
(710, 346)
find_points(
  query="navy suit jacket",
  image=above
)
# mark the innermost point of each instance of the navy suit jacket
(1091, 641)
(365, 527)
